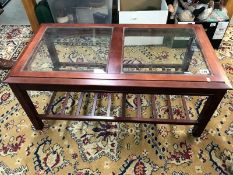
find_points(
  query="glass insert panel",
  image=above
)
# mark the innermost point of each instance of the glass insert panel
(162, 51)
(72, 49)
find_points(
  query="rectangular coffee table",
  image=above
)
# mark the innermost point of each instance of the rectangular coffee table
(125, 59)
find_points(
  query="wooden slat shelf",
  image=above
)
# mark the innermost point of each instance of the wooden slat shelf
(119, 119)
(80, 101)
(152, 65)
(123, 106)
(109, 104)
(88, 65)
(169, 105)
(94, 104)
(139, 107)
(185, 107)
(64, 104)
(50, 103)
(154, 109)
(122, 118)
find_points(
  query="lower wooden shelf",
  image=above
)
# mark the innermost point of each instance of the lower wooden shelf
(139, 118)
(120, 119)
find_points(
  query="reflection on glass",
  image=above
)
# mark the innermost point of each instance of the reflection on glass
(162, 51)
(72, 49)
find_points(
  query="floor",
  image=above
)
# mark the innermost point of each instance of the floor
(14, 13)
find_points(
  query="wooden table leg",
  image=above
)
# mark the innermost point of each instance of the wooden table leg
(28, 106)
(29, 7)
(207, 112)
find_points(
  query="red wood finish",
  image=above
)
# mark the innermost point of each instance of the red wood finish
(113, 85)
(114, 65)
(115, 58)
(213, 85)
(185, 107)
(119, 119)
(28, 106)
(207, 111)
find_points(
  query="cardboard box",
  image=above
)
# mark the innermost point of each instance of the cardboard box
(142, 11)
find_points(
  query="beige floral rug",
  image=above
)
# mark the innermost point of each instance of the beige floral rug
(100, 148)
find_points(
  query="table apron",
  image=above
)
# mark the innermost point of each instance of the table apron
(121, 89)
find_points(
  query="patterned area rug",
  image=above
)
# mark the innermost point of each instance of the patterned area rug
(12, 40)
(100, 148)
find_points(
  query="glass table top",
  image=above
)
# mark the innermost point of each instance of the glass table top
(144, 50)
(162, 51)
(72, 49)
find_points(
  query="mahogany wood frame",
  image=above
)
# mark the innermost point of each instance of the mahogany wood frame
(214, 85)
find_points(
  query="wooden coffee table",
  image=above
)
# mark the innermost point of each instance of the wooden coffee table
(135, 59)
